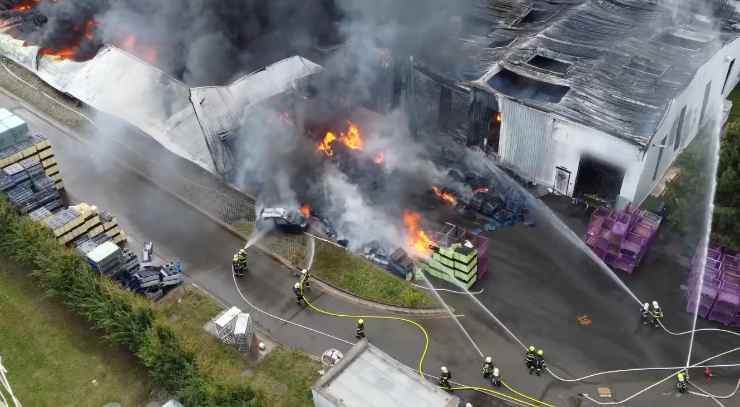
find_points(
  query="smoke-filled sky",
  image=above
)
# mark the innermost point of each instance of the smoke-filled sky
(208, 42)
(212, 42)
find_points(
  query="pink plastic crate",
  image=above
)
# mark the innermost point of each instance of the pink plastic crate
(714, 253)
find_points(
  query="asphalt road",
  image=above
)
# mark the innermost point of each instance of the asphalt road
(537, 292)
(109, 176)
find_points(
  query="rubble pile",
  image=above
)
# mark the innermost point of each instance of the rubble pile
(719, 299)
(622, 237)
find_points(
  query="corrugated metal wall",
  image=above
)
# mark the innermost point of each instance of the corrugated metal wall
(526, 141)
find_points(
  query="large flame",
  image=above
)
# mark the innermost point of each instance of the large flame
(352, 139)
(325, 145)
(306, 210)
(86, 33)
(26, 5)
(445, 196)
(132, 44)
(417, 241)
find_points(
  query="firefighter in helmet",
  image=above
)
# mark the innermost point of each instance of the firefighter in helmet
(657, 314)
(487, 367)
(496, 377)
(360, 330)
(681, 382)
(298, 294)
(530, 356)
(444, 378)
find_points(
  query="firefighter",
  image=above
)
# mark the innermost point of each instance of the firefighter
(305, 277)
(530, 356)
(645, 314)
(487, 367)
(444, 378)
(538, 364)
(681, 382)
(298, 294)
(360, 331)
(657, 314)
(240, 263)
(496, 377)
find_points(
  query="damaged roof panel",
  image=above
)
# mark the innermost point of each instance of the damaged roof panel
(623, 60)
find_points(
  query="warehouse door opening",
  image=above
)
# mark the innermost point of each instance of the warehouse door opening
(598, 178)
(494, 130)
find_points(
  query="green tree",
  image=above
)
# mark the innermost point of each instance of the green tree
(726, 224)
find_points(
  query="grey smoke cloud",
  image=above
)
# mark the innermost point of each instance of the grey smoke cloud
(211, 42)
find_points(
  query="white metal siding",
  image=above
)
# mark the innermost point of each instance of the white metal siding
(526, 141)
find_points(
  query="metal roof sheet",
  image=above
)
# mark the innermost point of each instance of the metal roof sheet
(623, 61)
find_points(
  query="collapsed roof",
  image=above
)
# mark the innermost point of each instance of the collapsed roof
(191, 122)
(614, 65)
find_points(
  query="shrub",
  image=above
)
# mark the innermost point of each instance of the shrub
(123, 317)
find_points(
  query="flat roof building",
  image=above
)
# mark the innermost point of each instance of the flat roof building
(369, 377)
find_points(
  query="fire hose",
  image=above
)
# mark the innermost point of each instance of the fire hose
(612, 403)
(492, 392)
(669, 332)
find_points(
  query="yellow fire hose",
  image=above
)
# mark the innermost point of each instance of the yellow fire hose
(533, 402)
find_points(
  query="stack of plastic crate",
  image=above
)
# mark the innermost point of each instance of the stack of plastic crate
(243, 332)
(17, 144)
(710, 285)
(621, 237)
(171, 274)
(224, 324)
(105, 259)
(27, 186)
(720, 295)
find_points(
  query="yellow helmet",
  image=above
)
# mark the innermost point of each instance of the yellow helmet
(360, 321)
(531, 348)
(540, 353)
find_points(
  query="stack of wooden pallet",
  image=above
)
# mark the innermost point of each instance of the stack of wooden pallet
(18, 144)
(80, 223)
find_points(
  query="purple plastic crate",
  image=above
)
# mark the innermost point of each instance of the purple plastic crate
(621, 237)
(727, 301)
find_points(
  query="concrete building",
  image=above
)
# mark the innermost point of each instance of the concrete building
(368, 377)
(592, 97)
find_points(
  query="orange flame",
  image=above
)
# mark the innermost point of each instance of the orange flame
(480, 191)
(379, 158)
(87, 32)
(306, 210)
(325, 145)
(131, 44)
(498, 117)
(352, 139)
(26, 5)
(445, 196)
(417, 241)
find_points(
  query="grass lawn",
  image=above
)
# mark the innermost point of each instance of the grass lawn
(284, 377)
(352, 273)
(362, 278)
(52, 357)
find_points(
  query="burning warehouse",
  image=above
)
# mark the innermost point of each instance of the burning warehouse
(588, 97)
